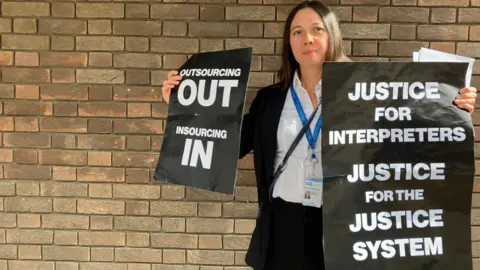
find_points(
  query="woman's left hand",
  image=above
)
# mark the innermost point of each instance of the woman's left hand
(466, 99)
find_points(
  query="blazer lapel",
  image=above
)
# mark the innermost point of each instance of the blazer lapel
(273, 112)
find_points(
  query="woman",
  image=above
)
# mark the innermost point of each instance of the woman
(288, 235)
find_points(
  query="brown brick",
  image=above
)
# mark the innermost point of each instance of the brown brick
(344, 14)
(62, 26)
(244, 226)
(137, 208)
(99, 158)
(174, 61)
(102, 207)
(138, 126)
(5, 25)
(65, 59)
(63, 92)
(139, 44)
(175, 11)
(135, 175)
(138, 255)
(99, 27)
(177, 209)
(8, 220)
(100, 174)
(6, 123)
(404, 14)
(213, 29)
(20, 265)
(469, 15)
(448, 47)
(6, 91)
(66, 10)
(210, 257)
(134, 159)
(101, 238)
(173, 256)
(139, 110)
(61, 221)
(173, 192)
(28, 220)
(475, 33)
(260, 46)
(100, 59)
(365, 31)
(137, 223)
(25, 42)
(172, 240)
(249, 29)
(137, 10)
(34, 75)
(64, 253)
(240, 210)
(366, 2)
(28, 189)
(250, 13)
(26, 59)
(137, 28)
(100, 190)
(174, 28)
(19, 204)
(210, 242)
(475, 3)
(108, 109)
(30, 252)
(29, 237)
(273, 29)
(62, 157)
(22, 156)
(100, 76)
(63, 125)
(443, 32)
(101, 142)
(63, 75)
(236, 242)
(365, 14)
(173, 224)
(24, 25)
(101, 254)
(209, 225)
(137, 60)
(393, 48)
(470, 49)
(138, 77)
(443, 2)
(100, 10)
(212, 13)
(100, 126)
(403, 31)
(174, 45)
(100, 93)
(158, 76)
(64, 173)
(20, 107)
(138, 142)
(29, 124)
(209, 209)
(26, 140)
(27, 172)
(136, 192)
(62, 43)
(64, 205)
(63, 141)
(140, 93)
(444, 15)
(66, 238)
(25, 9)
(6, 58)
(89, 43)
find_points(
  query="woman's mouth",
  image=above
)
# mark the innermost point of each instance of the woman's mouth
(309, 52)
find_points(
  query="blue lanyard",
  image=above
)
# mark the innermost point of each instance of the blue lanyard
(311, 139)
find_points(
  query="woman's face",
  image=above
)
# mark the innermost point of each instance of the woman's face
(308, 38)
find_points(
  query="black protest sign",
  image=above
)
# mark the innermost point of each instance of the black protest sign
(398, 165)
(202, 135)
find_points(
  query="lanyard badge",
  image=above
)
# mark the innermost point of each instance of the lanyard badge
(312, 139)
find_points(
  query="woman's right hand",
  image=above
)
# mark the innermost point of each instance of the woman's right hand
(172, 80)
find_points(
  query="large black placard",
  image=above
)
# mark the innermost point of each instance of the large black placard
(202, 135)
(399, 157)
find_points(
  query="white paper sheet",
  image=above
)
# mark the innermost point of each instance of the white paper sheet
(429, 55)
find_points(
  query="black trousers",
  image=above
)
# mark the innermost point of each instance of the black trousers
(297, 237)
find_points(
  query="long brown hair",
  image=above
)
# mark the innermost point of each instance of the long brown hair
(335, 50)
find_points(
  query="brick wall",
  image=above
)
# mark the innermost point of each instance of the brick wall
(82, 120)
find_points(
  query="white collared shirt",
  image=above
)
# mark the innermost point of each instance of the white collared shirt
(290, 184)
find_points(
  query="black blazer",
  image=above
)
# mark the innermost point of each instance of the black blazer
(259, 133)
